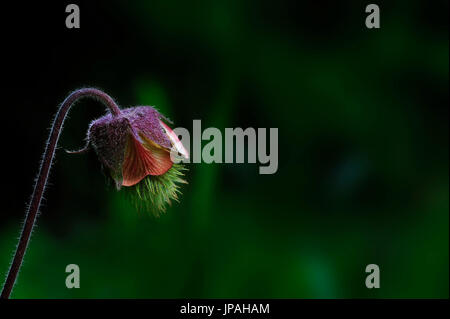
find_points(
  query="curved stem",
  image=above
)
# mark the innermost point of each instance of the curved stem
(41, 181)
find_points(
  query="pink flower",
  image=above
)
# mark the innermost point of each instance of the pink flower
(134, 144)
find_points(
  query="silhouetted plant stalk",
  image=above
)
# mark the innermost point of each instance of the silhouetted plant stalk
(133, 143)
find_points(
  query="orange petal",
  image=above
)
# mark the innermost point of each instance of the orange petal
(142, 159)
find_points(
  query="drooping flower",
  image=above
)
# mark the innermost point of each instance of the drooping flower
(135, 147)
(132, 143)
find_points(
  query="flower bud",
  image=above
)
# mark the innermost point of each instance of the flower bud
(134, 144)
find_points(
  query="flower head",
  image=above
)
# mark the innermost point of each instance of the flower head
(135, 145)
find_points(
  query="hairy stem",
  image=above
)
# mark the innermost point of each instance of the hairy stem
(44, 170)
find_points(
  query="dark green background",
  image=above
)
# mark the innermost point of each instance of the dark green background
(363, 148)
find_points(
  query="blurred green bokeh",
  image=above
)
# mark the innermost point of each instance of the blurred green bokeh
(363, 154)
